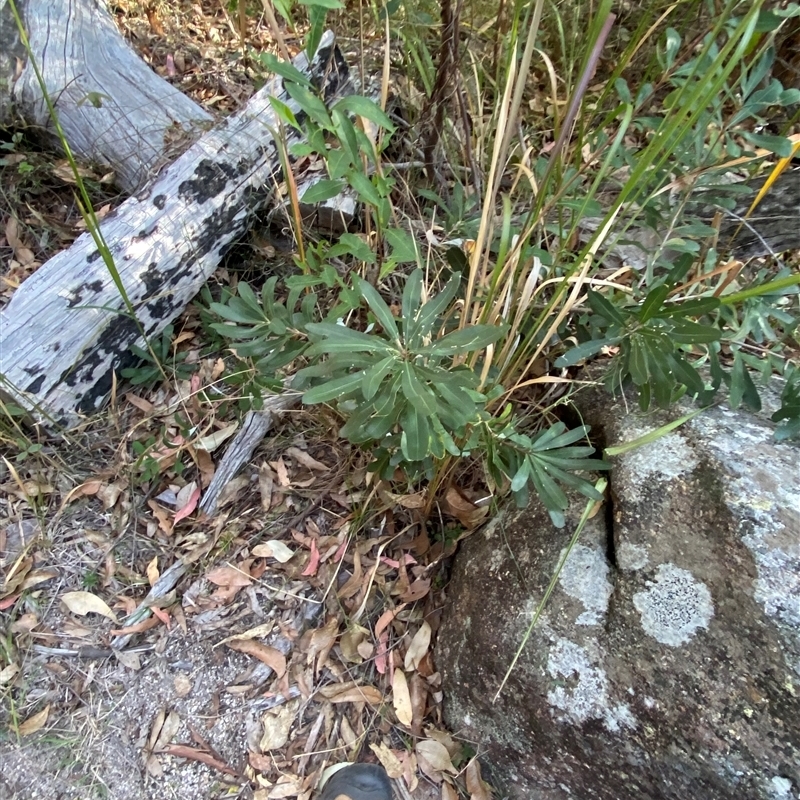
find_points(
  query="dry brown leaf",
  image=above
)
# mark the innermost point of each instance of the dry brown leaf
(337, 693)
(477, 788)
(38, 576)
(385, 619)
(273, 549)
(418, 647)
(306, 460)
(418, 688)
(34, 723)
(230, 576)
(264, 653)
(436, 755)
(152, 571)
(7, 673)
(287, 786)
(276, 724)
(280, 470)
(350, 642)
(82, 603)
(162, 515)
(401, 698)
(416, 591)
(389, 760)
(214, 440)
(319, 642)
(184, 751)
(466, 512)
(448, 792)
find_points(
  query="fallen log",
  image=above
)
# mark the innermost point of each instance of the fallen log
(114, 110)
(68, 328)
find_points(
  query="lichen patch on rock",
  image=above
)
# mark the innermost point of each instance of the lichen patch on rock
(674, 606)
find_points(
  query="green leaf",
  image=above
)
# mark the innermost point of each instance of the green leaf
(355, 246)
(373, 377)
(378, 307)
(339, 339)
(584, 351)
(412, 297)
(363, 185)
(601, 306)
(404, 249)
(328, 4)
(474, 337)
(346, 133)
(638, 360)
(686, 332)
(419, 395)
(422, 325)
(690, 308)
(653, 302)
(364, 107)
(337, 389)
(284, 113)
(285, 69)
(742, 386)
(321, 191)
(310, 104)
(415, 437)
(779, 145)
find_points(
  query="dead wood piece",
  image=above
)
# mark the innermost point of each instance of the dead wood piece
(166, 582)
(67, 328)
(115, 111)
(240, 450)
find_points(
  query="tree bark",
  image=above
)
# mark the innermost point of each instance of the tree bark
(115, 111)
(68, 328)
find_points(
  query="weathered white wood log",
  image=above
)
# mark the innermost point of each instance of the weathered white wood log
(114, 110)
(67, 327)
(254, 428)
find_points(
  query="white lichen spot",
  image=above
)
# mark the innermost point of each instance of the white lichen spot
(662, 460)
(632, 556)
(583, 693)
(778, 583)
(781, 788)
(674, 606)
(585, 577)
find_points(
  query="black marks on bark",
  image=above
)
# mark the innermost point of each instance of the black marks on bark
(93, 256)
(34, 387)
(152, 278)
(210, 179)
(76, 295)
(611, 544)
(159, 201)
(121, 332)
(33, 370)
